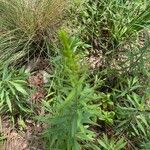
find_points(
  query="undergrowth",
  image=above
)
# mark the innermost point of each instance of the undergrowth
(14, 93)
(89, 107)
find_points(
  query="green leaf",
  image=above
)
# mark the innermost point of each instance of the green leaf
(19, 88)
(11, 89)
(2, 94)
(104, 142)
(120, 144)
(20, 81)
(76, 146)
(135, 129)
(8, 101)
(5, 73)
(143, 118)
(141, 127)
(69, 99)
(74, 125)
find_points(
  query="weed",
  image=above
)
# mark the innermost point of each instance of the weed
(13, 92)
(74, 108)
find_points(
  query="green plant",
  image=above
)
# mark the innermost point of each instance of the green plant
(74, 102)
(13, 92)
(26, 27)
(113, 29)
(145, 145)
(132, 112)
(112, 144)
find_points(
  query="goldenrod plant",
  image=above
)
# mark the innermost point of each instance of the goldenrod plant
(74, 102)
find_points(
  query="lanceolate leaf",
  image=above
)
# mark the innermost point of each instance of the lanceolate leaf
(19, 88)
(8, 101)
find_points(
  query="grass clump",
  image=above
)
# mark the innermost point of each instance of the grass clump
(132, 112)
(26, 26)
(13, 93)
(112, 144)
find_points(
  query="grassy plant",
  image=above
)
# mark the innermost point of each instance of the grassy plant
(112, 28)
(111, 144)
(13, 92)
(133, 113)
(26, 26)
(116, 21)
